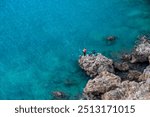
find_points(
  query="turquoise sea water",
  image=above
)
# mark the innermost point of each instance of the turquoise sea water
(40, 41)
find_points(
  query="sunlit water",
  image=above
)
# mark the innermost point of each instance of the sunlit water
(41, 40)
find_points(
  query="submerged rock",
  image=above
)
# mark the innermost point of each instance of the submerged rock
(94, 65)
(59, 95)
(111, 38)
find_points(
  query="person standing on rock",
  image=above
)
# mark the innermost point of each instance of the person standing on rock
(84, 51)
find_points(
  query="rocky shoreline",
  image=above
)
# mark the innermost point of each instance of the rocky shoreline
(128, 79)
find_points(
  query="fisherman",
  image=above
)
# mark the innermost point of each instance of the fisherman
(84, 51)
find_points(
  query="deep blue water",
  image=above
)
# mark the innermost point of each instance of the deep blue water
(40, 41)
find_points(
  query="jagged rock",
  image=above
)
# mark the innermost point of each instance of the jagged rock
(142, 52)
(134, 75)
(146, 74)
(121, 66)
(107, 86)
(129, 91)
(126, 57)
(101, 84)
(94, 65)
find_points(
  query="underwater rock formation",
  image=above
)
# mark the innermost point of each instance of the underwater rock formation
(111, 38)
(59, 95)
(108, 85)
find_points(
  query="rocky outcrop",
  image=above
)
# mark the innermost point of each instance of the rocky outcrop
(104, 82)
(108, 82)
(142, 51)
(94, 65)
(129, 91)
(108, 86)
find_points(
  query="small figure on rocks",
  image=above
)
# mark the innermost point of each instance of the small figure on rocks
(84, 51)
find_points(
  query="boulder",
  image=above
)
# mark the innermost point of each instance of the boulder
(129, 91)
(94, 65)
(142, 52)
(101, 84)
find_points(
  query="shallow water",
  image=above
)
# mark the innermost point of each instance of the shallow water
(40, 41)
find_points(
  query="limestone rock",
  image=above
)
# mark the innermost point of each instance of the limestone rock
(101, 84)
(129, 91)
(94, 65)
(141, 52)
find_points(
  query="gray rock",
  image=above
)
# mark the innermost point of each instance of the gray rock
(141, 52)
(101, 84)
(129, 91)
(94, 65)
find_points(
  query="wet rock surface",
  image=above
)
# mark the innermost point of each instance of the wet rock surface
(128, 79)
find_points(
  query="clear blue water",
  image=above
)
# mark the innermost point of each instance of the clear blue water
(40, 41)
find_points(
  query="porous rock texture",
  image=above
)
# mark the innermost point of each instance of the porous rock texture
(105, 84)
